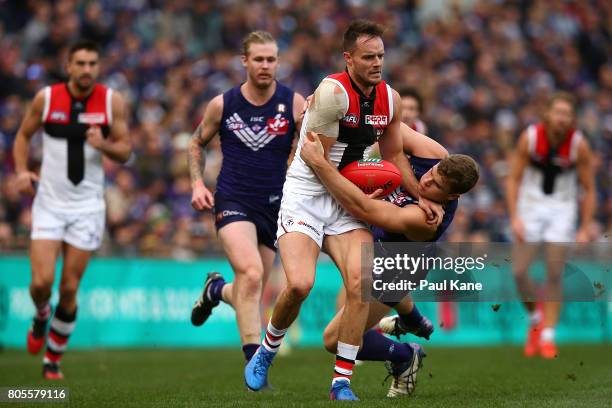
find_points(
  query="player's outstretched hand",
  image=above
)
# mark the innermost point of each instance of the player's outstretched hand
(201, 197)
(518, 229)
(94, 137)
(312, 149)
(25, 182)
(434, 211)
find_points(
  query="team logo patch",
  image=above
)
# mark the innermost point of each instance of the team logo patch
(59, 116)
(96, 118)
(376, 120)
(278, 125)
(351, 120)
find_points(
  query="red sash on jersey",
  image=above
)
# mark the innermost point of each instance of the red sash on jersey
(95, 109)
(380, 118)
(541, 149)
(551, 161)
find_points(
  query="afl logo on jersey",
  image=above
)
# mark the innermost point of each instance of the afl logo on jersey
(278, 125)
(281, 108)
(376, 120)
(58, 116)
(351, 120)
(233, 124)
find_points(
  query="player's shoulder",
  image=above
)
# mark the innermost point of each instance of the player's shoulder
(283, 89)
(215, 106)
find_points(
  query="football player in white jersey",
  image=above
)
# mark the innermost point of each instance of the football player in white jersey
(82, 121)
(351, 109)
(551, 161)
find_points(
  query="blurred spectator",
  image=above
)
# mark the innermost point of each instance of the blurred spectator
(484, 72)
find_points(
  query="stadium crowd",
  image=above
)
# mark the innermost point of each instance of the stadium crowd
(484, 73)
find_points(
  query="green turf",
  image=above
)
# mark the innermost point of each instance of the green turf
(489, 377)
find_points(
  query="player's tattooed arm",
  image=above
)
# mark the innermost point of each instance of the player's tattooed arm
(202, 198)
(206, 130)
(32, 121)
(197, 155)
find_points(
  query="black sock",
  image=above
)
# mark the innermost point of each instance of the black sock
(249, 350)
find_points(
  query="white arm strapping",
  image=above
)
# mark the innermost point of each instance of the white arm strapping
(330, 104)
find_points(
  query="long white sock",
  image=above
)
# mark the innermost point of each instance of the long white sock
(548, 334)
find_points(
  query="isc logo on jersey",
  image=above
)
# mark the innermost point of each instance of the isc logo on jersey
(376, 120)
(278, 125)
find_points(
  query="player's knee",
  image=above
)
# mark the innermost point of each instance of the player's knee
(68, 290)
(330, 339)
(299, 290)
(251, 280)
(41, 285)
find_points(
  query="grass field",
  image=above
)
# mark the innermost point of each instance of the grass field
(487, 377)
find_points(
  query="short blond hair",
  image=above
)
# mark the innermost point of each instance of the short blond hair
(561, 96)
(256, 37)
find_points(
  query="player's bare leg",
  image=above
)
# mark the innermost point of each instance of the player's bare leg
(251, 263)
(346, 251)
(299, 255)
(523, 255)
(556, 255)
(43, 257)
(63, 322)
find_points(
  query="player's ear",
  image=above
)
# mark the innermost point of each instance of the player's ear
(347, 58)
(243, 59)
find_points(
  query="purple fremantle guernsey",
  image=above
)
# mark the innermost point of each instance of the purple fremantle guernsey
(255, 142)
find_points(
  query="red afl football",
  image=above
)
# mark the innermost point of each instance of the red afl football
(372, 174)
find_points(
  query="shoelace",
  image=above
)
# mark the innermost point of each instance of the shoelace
(259, 364)
(397, 380)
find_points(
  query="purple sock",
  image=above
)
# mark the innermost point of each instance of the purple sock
(412, 319)
(249, 350)
(214, 292)
(378, 347)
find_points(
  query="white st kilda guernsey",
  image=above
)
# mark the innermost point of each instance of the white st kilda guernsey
(363, 123)
(72, 177)
(550, 176)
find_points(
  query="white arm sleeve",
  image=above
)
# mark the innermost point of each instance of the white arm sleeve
(329, 105)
